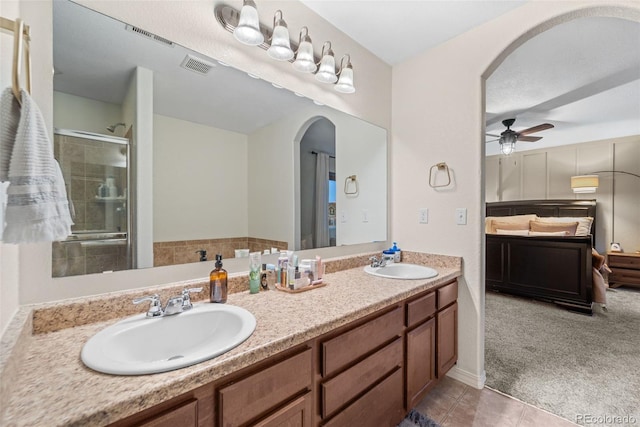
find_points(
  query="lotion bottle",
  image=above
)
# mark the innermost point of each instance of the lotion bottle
(218, 282)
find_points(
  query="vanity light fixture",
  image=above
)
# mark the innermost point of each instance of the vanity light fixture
(345, 82)
(305, 61)
(248, 29)
(327, 70)
(245, 26)
(280, 48)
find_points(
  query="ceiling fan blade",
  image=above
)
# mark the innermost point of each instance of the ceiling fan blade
(490, 134)
(536, 129)
(492, 140)
(529, 138)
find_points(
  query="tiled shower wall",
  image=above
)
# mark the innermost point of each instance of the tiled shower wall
(185, 251)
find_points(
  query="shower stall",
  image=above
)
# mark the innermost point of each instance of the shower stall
(98, 176)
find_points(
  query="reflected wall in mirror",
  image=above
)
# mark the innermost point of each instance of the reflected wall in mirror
(217, 158)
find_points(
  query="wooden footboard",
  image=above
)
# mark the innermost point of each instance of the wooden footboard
(556, 269)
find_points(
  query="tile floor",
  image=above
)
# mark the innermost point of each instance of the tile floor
(454, 404)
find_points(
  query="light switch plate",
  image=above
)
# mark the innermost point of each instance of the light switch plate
(461, 216)
(365, 215)
(343, 217)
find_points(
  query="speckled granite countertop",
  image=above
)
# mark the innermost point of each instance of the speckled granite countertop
(53, 388)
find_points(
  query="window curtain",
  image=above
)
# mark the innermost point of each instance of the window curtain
(321, 214)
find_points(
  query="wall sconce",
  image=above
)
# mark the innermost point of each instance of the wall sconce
(246, 28)
(589, 183)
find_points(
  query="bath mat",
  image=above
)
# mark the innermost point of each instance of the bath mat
(416, 419)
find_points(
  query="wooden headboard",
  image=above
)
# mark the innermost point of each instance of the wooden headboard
(557, 208)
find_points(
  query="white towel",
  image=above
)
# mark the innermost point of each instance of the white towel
(37, 207)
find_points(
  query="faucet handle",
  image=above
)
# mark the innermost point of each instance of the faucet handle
(186, 297)
(155, 309)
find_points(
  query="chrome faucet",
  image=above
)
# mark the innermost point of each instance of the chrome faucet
(175, 305)
(375, 262)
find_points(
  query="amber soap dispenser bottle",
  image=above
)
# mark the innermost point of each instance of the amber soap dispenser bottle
(218, 282)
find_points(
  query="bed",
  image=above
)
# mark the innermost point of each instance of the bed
(549, 268)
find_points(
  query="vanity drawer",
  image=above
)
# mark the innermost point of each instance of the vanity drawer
(421, 309)
(358, 378)
(183, 415)
(247, 398)
(380, 406)
(447, 294)
(349, 346)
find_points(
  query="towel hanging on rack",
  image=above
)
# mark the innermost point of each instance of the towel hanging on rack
(37, 207)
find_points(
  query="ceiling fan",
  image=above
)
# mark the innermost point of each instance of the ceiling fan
(509, 137)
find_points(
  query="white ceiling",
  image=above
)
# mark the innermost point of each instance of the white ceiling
(582, 76)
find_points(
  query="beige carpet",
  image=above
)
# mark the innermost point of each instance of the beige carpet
(582, 368)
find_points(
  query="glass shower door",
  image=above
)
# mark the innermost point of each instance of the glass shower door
(96, 171)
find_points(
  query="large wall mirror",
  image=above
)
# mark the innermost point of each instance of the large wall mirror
(167, 153)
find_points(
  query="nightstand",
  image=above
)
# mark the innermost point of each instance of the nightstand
(625, 269)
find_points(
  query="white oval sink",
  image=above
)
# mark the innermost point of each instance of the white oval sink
(141, 345)
(402, 271)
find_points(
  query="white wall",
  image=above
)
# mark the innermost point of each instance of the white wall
(199, 183)
(438, 105)
(274, 172)
(89, 115)
(192, 24)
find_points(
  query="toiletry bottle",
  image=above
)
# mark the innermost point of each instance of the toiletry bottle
(397, 253)
(263, 278)
(218, 282)
(254, 272)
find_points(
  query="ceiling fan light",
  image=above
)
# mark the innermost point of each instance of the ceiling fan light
(280, 48)
(507, 148)
(248, 29)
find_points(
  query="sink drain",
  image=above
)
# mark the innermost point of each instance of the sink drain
(179, 356)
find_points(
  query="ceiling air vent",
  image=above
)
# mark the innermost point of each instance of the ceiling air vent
(149, 35)
(196, 64)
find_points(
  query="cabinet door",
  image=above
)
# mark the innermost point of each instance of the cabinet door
(295, 414)
(185, 415)
(447, 339)
(421, 361)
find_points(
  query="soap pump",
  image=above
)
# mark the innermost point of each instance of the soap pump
(397, 253)
(218, 282)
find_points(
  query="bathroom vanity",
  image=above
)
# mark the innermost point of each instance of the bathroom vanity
(360, 351)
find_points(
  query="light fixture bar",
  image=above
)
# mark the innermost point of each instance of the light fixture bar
(228, 17)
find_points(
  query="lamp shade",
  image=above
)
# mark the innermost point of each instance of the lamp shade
(327, 70)
(345, 82)
(248, 29)
(507, 148)
(280, 48)
(584, 183)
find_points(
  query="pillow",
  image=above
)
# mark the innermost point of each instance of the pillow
(569, 227)
(521, 220)
(548, 233)
(512, 232)
(584, 223)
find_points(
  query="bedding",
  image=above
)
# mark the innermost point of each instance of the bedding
(567, 227)
(512, 232)
(584, 223)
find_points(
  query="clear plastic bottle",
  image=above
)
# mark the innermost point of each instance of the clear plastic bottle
(218, 282)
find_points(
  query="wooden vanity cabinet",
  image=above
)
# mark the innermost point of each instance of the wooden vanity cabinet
(366, 373)
(431, 340)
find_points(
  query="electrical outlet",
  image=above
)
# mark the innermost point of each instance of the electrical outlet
(461, 216)
(423, 216)
(365, 215)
